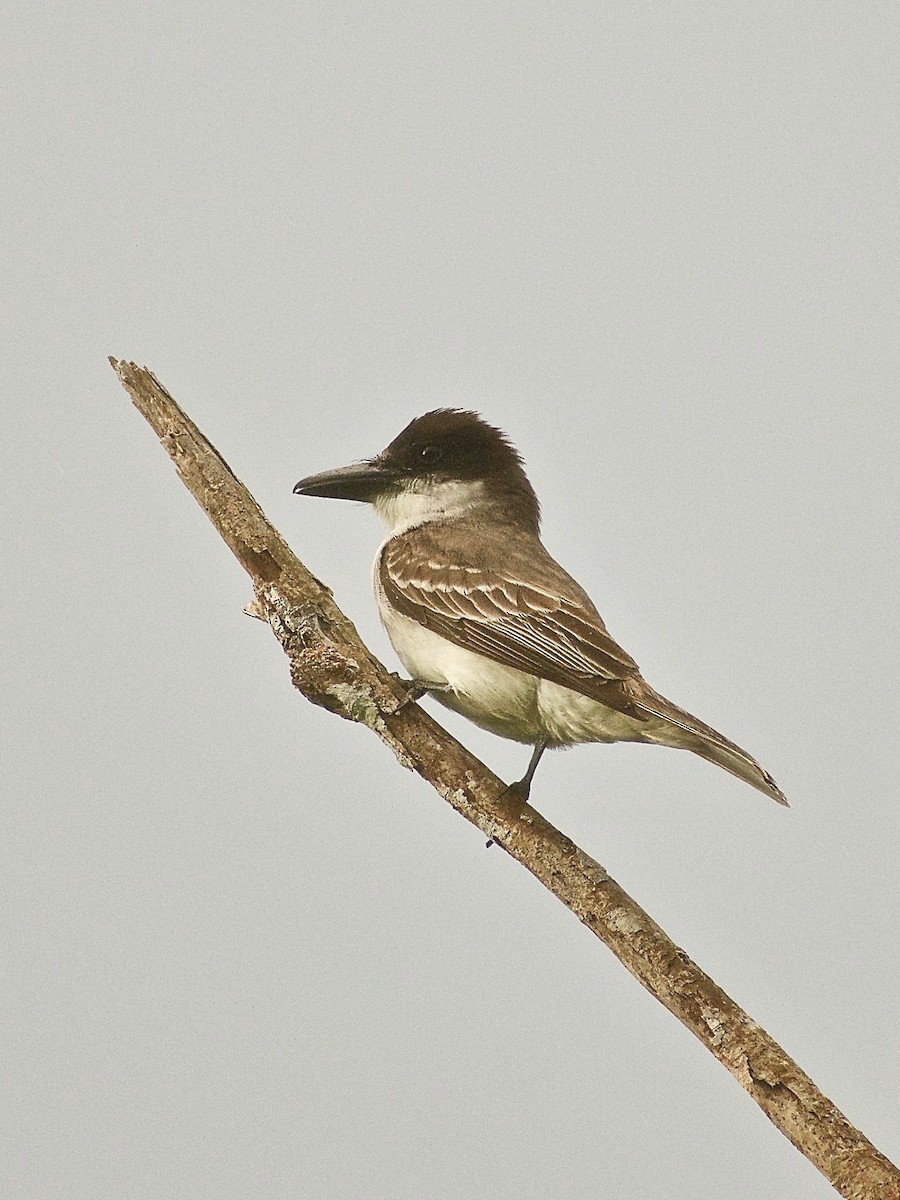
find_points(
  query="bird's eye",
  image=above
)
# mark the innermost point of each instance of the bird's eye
(429, 455)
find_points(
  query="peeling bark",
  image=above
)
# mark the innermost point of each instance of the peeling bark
(331, 666)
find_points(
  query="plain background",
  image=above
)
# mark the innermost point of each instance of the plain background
(245, 953)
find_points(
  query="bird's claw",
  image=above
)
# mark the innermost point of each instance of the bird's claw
(513, 792)
(417, 688)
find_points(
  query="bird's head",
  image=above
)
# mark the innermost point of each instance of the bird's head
(448, 462)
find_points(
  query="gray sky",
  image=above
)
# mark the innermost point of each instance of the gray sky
(658, 244)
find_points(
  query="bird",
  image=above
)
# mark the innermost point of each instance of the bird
(485, 620)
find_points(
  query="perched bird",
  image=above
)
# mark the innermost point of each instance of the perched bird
(481, 615)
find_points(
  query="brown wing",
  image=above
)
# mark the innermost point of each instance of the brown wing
(470, 587)
(513, 604)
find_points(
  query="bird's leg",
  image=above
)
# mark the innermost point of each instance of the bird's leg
(417, 688)
(523, 787)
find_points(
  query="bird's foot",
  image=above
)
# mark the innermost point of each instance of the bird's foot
(417, 688)
(518, 792)
(514, 797)
(521, 790)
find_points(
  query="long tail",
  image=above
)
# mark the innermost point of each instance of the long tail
(685, 731)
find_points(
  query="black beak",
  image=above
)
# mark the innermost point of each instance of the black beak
(360, 481)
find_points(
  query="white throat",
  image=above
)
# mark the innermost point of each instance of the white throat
(428, 502)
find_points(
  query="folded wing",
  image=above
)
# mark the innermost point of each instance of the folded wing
(533, 616)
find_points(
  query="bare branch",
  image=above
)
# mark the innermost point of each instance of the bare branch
(332, 667)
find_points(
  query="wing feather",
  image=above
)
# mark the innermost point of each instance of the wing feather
(530, 615)
(517, 606)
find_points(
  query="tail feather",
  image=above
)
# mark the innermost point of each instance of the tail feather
(685, 731)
